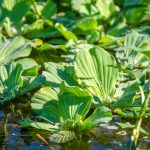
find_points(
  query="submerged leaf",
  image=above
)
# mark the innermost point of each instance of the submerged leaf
(62, 136)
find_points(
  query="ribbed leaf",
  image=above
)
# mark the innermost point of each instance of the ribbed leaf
(30, 66)
(44, 103)
(95, 69)
(12, 49)
(74, 103)
(130, 53)
(13, 84)
(10, 9)
(55, 74)
(39, 125)
(30, 83)
(62, 136)
(101, 114)
(49, 9)
(10, 80)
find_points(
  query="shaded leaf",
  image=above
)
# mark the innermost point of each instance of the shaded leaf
(67, 34)
(10, 80)
(100, 115)
(74, 103)
(49, 9)
(44, 103)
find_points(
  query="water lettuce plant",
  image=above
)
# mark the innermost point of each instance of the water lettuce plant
(66, 114)
(81, 67)
(13, 83)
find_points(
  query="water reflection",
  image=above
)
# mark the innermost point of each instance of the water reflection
(105, 137)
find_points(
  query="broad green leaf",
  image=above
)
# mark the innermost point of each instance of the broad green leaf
(44, 103)
(74, 103)
(30, 66)
(94, 67)
(87, 24)
(136, 2)
(56, 73)
(109, 41)
(100, 115)
(62, 136)
(118, 27)
(102, 8)
(138, 14)
(88, 27)
(39, 125)
(49, 9)
(130, 53)
(147, 54)
(14, 49)
(49, 32)
(10, 9)
(13, 84)
(67, 34)
(30, 83)
(128, 97)
(10, 80)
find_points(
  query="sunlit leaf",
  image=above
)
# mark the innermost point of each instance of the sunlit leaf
(14, 49)
(95, 69)
(39, 125)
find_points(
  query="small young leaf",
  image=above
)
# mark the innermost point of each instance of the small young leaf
(101, 114)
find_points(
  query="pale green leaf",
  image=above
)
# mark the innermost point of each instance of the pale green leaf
(44, 103)
(14, 49)
(101, 114)
(67, 34)
(39, 125)
(49, 9)
(74, 103)
(30, 66)
(62, 136)
(56, 73)
(10, 80)
(95, 68)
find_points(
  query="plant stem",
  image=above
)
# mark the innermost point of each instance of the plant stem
(136, 130)
(44, 140)
(36, 8)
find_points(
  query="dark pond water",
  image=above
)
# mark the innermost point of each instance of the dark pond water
(104, 137)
